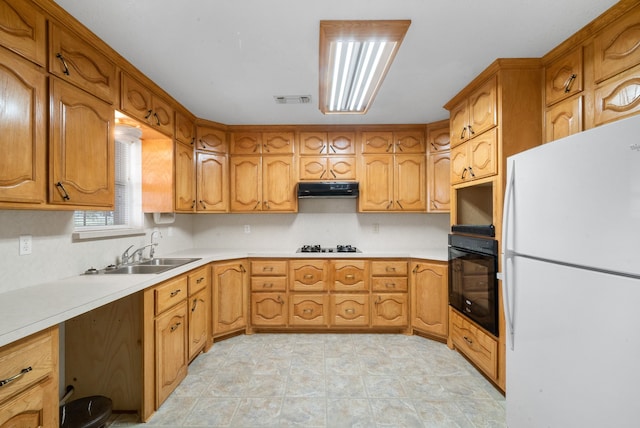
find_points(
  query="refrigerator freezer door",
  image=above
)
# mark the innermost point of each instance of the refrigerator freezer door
(576, 348)
(577, 200)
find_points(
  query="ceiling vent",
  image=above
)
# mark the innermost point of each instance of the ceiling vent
(292, 99)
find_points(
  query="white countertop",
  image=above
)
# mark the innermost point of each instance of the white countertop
(28, 310)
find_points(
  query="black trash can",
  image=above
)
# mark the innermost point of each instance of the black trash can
(87, 412)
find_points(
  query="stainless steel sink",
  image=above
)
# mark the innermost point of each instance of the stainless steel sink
(131, 269)
(166, 262)
(150, 266)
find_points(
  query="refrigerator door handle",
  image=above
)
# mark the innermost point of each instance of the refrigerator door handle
(507, 254)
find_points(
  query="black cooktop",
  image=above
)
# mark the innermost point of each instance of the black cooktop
(336, 249)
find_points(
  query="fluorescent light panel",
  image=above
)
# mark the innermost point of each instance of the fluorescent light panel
(354, 58)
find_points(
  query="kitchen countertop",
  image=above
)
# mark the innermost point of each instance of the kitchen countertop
(31, 309)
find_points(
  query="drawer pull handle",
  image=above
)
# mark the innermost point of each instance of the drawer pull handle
(570, 80)
(280, 300)
(390, 285)
(349, 311)
(308, 276)
(307, 311)
(195, 304)
(63, 191)
(175, 327)
(18, 376)
(267, 269)
(268, 285)
(350, 276)
(390, 269)
(466, 339)
(199, 280)
(174, 293)
(64, 63)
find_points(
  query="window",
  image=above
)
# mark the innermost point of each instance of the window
(127, 212)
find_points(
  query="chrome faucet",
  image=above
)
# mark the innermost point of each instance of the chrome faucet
(152, 250)
(138, 253)
(125, 258)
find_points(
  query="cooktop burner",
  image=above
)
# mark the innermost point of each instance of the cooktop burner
(336, 249)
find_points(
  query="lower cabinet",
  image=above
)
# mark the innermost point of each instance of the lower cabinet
(480, 347)
(171, 350)
(430, 298)
(29, 375)
(308, 310)
(199, 286)
(269, 309)
(350, 310)
(229, 297)
(389, 309)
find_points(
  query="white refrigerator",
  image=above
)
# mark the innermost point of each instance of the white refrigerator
(571, 281)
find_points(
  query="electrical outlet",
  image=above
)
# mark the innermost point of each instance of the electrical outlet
(247, 228)
(26, 245)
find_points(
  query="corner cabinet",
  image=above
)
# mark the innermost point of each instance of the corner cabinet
(438, 167)
(229, 298)
(185, 186)
(81, 148)
(430, 298)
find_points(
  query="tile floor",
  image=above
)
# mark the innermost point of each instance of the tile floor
(329, 380)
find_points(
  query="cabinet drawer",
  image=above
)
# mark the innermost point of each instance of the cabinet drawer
(308, 309)
(350, 275)
(389, 284)
(481, 348)
(350, 310)
(198, 280)
(170, 293)
(308, 275)
(268, 283)
(389, 268)
(269, 267)
(27, 362)
(31, 408)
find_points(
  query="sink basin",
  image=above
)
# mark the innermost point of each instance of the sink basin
(166, 262)
(139, 269)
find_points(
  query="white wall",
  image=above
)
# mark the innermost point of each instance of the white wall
(327, 222)
(54, 254)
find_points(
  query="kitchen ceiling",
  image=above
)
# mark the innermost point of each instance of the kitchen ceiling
(225, 60)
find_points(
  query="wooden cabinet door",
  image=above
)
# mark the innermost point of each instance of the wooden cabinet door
(229, 299)
(563, 119)
(483, 108)
(185, 189)
(23, 30)
(483, 155)
(618, 97)
(246, 143)
(350, 275)
(246, 184)
(376, 191)
(459, 164)
(409, 141)
(349, 310)
(389, 310)
(171, 350)
(438, 182)
(308, 309)
(279, 180)
(212, 182)
(313, 167)
(198, 322)
(563, 77)
(162, 116)
(308, 275)
(212, 140)
(313, 143)
(410, 183)
(341, 168)
(377, 142)
(327, 168)
(139, 102)
(82, 148)
(616, 47)
(269, 309)
(341, 143)
(438, 137)
(275, 143)
(74, 60)
(34, 407)
(430, 298)
(185, 129)
(23, 170)
(459, 118)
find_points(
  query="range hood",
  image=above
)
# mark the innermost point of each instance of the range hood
(328, 189)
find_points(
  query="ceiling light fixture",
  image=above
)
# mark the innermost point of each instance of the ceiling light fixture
(354, 59)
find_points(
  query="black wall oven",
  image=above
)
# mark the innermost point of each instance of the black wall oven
(473, 284)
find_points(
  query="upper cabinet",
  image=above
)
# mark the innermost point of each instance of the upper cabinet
(185, 128)
(564, 77)
(139, 102)
(438, 167)
(272, 143)
(475, 114)
(400, 141)
(327, 155)
(327, 143)
(211, 139)
(23, 30)
(77, 62)
(81, 148)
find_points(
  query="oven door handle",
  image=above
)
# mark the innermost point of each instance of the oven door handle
(507, 254)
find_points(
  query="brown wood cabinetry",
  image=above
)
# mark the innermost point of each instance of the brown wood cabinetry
(185, 186)
(199, 291)
(430, 298)
(475, 159)
(79, 63)
(29, 398)
(438, 167)
(563, 119)
(480, 347)
(389, 300)
(81, 155)
(230, 297)
(24, 135)
(171, 337)
(212, 170)
(475, 114)
(397, 141)
(185, 131)
(564, 77)
(327, 156)
(269, 293)
(23, 30)
(251, 143)
(141, 103)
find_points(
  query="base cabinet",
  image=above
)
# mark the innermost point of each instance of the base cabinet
(429, 298)
(199, 284)
(29, 371)
(389, 309)
(171, 350)
(480, 347)
(269, 309)
(229, 297)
